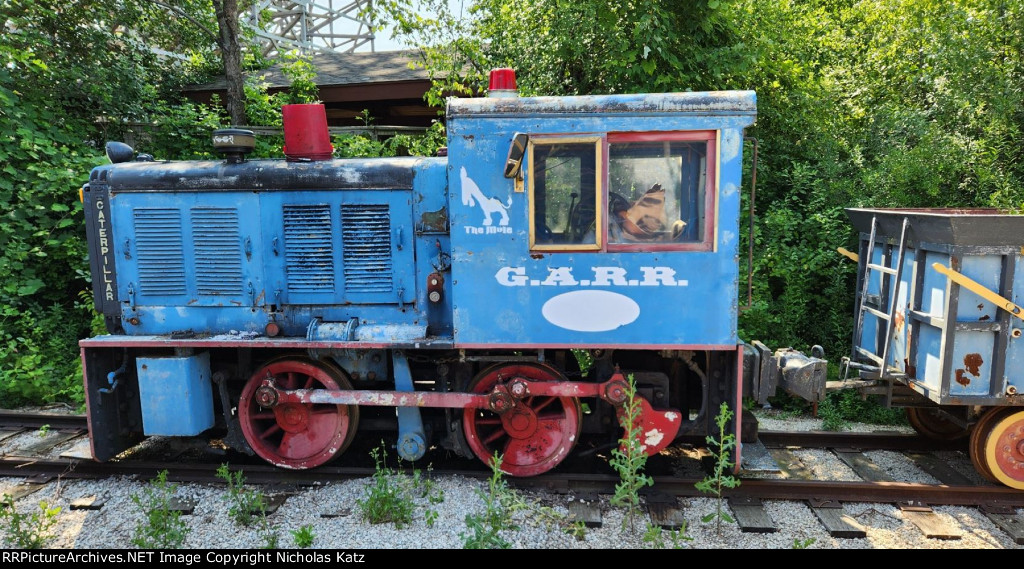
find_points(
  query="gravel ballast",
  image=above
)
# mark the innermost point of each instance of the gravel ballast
(539, 525)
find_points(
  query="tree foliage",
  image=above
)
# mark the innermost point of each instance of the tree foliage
(71, 75)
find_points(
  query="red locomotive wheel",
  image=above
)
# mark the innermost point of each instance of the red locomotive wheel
(296, 435)
(931, 423)
(532, 438)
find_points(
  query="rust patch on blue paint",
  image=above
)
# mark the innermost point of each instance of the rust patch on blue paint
(973, 364)
(434, 221)
(962, 378)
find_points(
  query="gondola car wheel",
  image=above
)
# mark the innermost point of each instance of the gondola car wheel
(979, 435)
(931, 423)
(296, 435)
(533, 437)
(1004, 448)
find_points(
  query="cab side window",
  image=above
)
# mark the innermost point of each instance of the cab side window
(565, 178)
(658, 192)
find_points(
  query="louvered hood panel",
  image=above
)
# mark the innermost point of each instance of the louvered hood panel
(190, 251)
(344, 248)
(366, 242)
(309, 248)
(218, 256)
(161, 257)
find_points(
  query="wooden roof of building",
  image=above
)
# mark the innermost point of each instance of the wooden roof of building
(385, 83)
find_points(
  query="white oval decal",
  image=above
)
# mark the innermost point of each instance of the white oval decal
(590, 310)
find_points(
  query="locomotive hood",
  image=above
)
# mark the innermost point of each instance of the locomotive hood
(391, 173)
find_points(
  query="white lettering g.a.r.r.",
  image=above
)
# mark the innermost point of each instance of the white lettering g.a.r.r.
(599, 277)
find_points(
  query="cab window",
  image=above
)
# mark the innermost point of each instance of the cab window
(660, 191)
(565, 179)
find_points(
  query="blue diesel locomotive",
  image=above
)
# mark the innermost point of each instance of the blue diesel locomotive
(285, 304)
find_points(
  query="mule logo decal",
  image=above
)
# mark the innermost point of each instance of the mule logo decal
(472, 196)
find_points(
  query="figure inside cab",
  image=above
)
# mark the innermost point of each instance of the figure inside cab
(657, 192)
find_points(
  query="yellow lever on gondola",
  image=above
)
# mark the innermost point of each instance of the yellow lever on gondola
(852, 256)
(973, 286)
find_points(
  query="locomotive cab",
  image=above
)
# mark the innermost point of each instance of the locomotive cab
(490, 301)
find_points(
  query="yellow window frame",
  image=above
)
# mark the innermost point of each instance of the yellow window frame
(599, 177)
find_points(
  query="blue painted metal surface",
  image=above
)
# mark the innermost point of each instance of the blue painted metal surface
(212, 262)
(412, 441)
(949, 344)
(506, 294)
(1015, 349)
(210, 248)
(176, 394)
(361, 365)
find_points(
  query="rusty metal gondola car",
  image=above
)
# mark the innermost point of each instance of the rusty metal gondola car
(938, 326)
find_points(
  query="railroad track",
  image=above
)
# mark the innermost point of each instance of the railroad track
(824, 497)
(766, 489)
(13, 420)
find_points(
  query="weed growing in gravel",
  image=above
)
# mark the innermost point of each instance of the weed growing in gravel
(803, 543)
(44, 430)
(499, 502)
(831, 418)
(629, 458)
(577, 529)
(303, 536)
(430, 517)
(163, 528)
(386, 499)
(426, 487)
(248, 506)
(721, 449)
(392, 495)
(27, 531)
(268, 533)
(244, 505)
(654, 537)
(429, 490)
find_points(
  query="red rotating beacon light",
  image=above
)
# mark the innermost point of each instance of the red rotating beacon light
(503, 83)
(305, 133)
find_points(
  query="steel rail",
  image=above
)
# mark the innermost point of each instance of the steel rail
(41, 470)
(56, 421)
(865, 441)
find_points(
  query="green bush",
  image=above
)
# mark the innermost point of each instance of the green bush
(163, 527)
(27, 531)
(846, 406)
(389, 498)
(630, 457)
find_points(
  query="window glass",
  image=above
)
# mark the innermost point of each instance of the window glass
(657, 192)
(564, 183)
